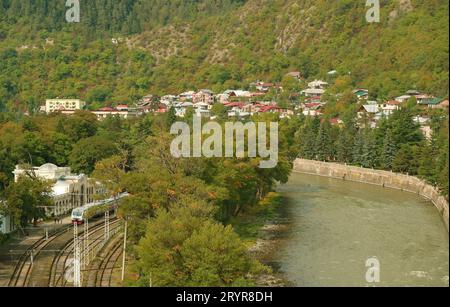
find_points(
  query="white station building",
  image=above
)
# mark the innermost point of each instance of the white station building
(69, 190)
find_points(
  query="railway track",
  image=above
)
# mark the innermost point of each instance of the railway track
(60, 263)
(47, 254)
(22, 269)
(109, 265)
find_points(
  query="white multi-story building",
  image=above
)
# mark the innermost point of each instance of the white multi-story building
(56, 105)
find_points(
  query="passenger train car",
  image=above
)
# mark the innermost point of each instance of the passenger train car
(96, 209)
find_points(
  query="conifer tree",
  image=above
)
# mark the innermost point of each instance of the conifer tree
(389, 151)
(324, 146)
(358, 149)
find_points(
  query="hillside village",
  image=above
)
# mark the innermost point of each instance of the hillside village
(260, 97)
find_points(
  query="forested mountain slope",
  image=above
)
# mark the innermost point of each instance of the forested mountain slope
(169, 46)
(124, 16)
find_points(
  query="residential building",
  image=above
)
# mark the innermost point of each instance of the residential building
(426, 100)
(122, 107)
(312, 109)
(205, 96)
(121, 111)
(146, 100)
(262, 86)
(443, 105)
(313, 92)
(389, 107)
(429, 101)
(318, 84)
(361, 93)
(238, 93)
(403, 98)
(413, 93)
(56, 105)
(315, 88)
(169, 99)
(369, 110)
(186, 96)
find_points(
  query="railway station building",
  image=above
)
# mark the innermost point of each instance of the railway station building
(69, 190)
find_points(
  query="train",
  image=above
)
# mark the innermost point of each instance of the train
(95, 209)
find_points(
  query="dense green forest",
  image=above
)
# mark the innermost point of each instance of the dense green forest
(108, 16)
(171, 46)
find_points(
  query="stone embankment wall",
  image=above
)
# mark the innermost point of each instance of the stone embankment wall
(376, 177)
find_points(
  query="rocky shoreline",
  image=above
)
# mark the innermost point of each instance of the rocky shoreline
(272, 236)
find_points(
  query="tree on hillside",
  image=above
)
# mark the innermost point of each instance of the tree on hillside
(171, 118)
(79, 126)
(307, 136)
(389, 151)
(404, 129)
(403, 159)
(110, 173)
(443, 178)
(87, 152)
(324, 147)
(369, 156)
(427, 160)
(358, 149)
(220, 111)
(184, 246)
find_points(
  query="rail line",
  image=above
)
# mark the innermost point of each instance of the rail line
(22, 269)
(108, 265)
(95, 243)
(36, 273)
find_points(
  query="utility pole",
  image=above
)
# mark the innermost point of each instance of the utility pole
(85, 245)
(106, 226)
(86, 249)
(77, 256)
(124, 250)
(31, 257)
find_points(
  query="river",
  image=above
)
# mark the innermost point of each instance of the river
(336, 226)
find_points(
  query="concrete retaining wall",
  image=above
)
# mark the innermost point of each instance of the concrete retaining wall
(376, 177)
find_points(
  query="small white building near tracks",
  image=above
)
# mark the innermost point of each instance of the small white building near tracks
(5, 224)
